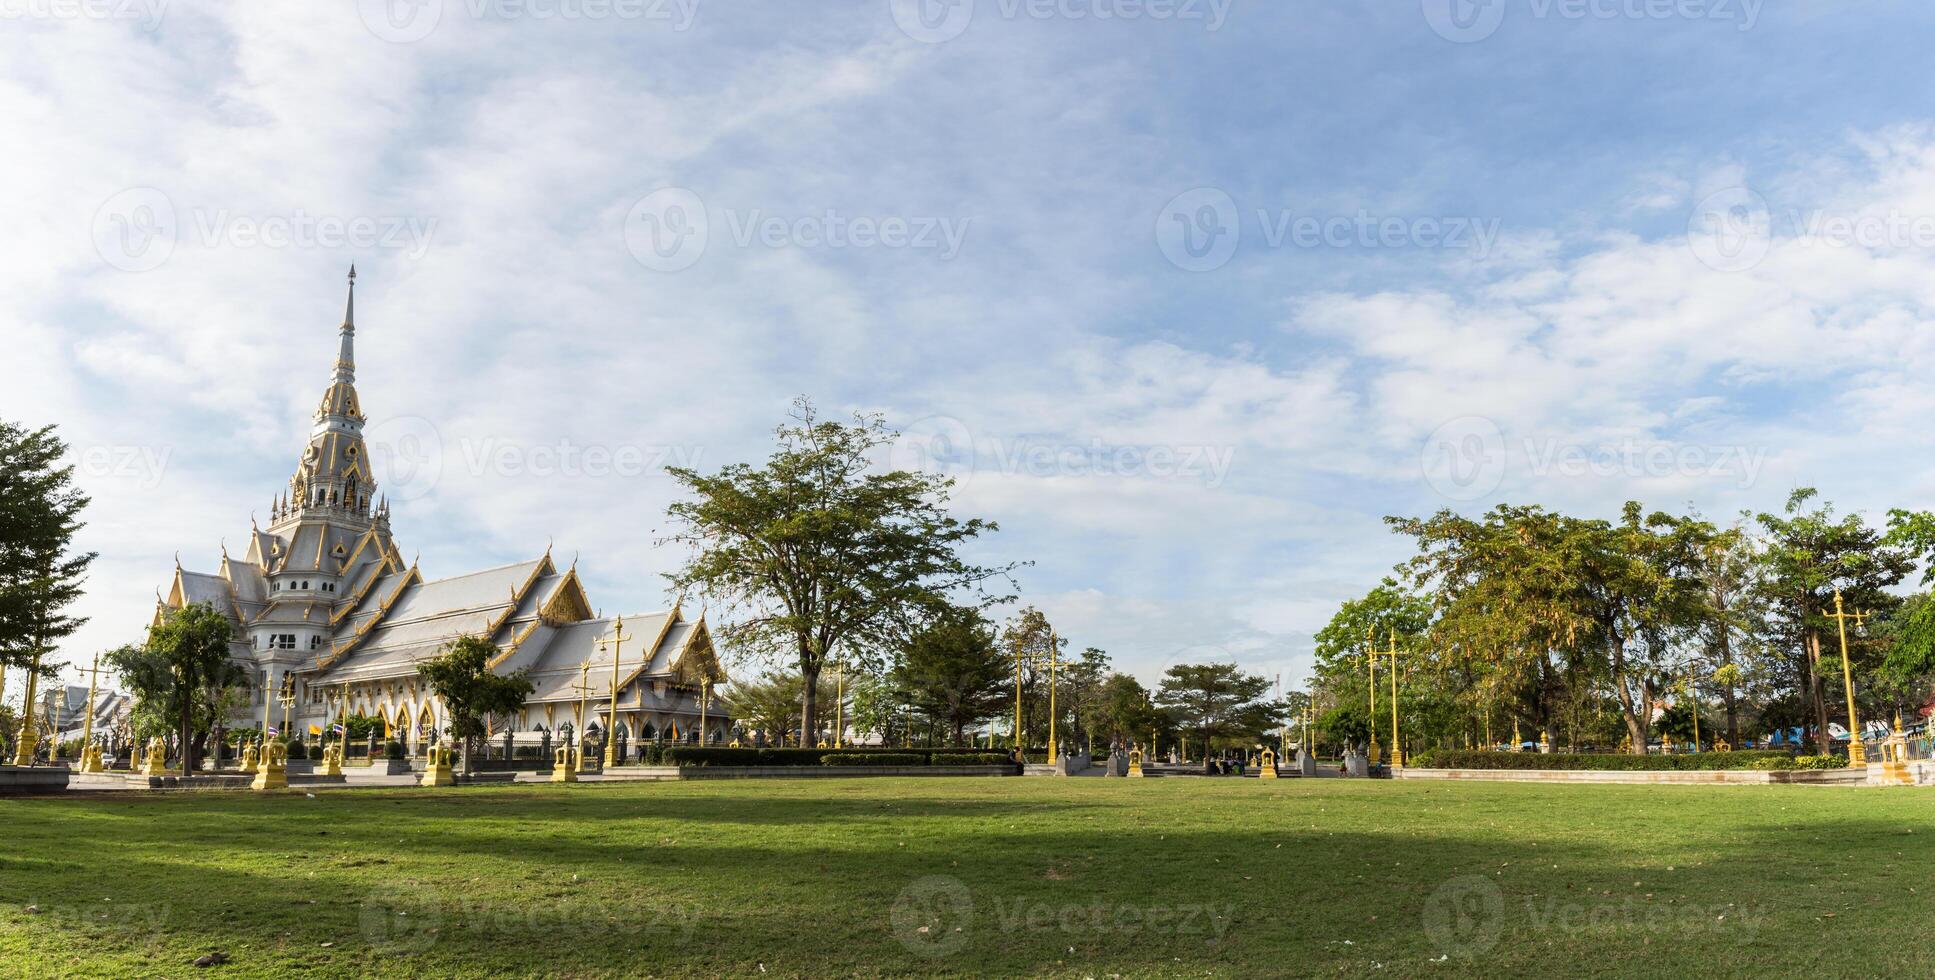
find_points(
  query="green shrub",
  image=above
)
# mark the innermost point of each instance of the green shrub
(968, 759)
(1692, 762)
(1820, 762)
(694, 755)
(393, 750)
(874, 759)
(316, 752)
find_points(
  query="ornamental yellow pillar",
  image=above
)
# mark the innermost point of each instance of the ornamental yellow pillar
(1857, 752)
(29, 740)
(91, 753)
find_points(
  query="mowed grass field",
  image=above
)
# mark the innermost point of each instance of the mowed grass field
(961, 876)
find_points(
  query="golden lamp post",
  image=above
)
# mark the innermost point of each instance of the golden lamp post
(618, 639)
(1393, 652)
(29, 740)
(272, 769)
(839, 705)
(705, 705)
(578, 726)
(1019, 661)
(1371, 653)
(1857, 752)
(91, 753)
(1052, 662)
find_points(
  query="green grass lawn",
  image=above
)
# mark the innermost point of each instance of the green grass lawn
(1063, 877)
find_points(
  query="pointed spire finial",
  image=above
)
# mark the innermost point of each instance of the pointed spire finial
(346, 356)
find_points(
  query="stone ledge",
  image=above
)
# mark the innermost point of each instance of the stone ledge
(33, 779)
(1743, 777)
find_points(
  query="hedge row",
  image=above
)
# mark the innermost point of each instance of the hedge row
(858, 756)
(874, 759)
(1751, 759)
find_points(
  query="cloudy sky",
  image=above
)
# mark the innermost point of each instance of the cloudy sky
(1188, 294)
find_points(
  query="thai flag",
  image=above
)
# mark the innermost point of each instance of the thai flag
(273, 732)
(336, 729)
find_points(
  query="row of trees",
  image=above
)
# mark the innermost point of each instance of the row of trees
(1611, 632)
(820, 557)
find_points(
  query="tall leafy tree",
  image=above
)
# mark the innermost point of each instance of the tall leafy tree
(460, 675)
(1029, 640)
(40, 572)
(1124, 713)
(815, 552)
(954, 672)
(1218, 703)
(1809, 553)
(1080, 691)
(182, 673)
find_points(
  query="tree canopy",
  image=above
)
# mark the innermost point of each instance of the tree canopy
(817, 553)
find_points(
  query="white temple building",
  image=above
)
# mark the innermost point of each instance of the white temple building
(324, 601)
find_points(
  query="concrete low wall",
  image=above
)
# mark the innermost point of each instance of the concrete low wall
(33, 779)
(1745, 777)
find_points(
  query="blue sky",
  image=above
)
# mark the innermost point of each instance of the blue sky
(1671, 251)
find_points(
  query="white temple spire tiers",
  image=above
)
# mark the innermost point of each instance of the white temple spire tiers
(346, 356)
